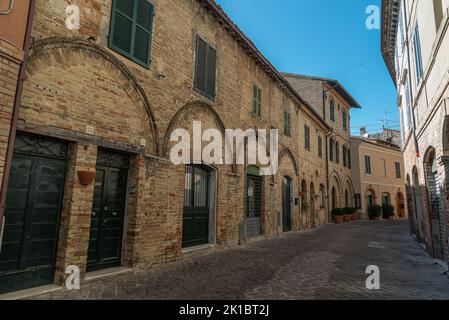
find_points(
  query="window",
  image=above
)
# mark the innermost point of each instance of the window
(287, 124)
(257, 100)
(345, 154)
(384, 162)
(131, 29)
(386, 198)
(322, 196)
(349, 159)
(358, 201)
(438, 12)
(337, 152)
(331, 149)
(345, 119)
(418, 56)
(320, 147)
(306, 137)
(398, 170)
(332, 109)
(368, 165)
(205, 69)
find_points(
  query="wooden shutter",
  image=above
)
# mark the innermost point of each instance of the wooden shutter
(211, 66)
(200, 68)
(122, 25)
(142, 35)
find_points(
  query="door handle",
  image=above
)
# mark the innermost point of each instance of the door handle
(2, 228)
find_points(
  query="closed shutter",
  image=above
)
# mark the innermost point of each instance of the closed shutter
(211, 72)
(205, 69)
(200, 69)
(131, 29)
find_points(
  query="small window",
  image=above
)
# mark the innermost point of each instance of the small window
(131, 29)
(287, 123)
(332, 109)
(345, 120)
(331, 149)
(307, 137)
(345, 154)
(257, 100)
(349, 159)
(398, 170)
(418, 55)
(368, 165)
(205, 69)
(320, 147)
(337, 152)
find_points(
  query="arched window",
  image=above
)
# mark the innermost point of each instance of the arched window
(345, 156)
(332, 109)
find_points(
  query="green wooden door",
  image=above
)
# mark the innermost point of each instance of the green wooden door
(32, 213)
(196, 206)
(253, 205)
(287, 204)
(108, 210)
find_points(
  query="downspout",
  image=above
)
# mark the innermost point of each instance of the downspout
(15, 112)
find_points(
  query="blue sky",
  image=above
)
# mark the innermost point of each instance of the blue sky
(326, 38)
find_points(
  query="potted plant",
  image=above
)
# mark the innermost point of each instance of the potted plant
(387, 211)
(338, 215)
(347, 214)
(375, 212)
(351, 212)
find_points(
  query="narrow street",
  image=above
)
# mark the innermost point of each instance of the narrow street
(326, 263)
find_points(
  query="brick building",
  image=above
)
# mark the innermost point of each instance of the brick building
(415, 45)
(91, 183)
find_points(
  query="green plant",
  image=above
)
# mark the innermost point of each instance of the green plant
(387, 210)
(349, 210)
(374, 211)
(305, 206)
(338, 212)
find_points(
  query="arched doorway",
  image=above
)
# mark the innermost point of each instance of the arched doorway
(435, 202)
(287, 201)
(312, 205)
(199, 206)
(400, 205)
(253, 201)
(370, 197)
(416, 190)
(305, 207)
(334, 198)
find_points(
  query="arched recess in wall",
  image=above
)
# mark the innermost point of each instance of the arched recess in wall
(286, 152)
(194, 111)
(68, 50)
(336, 190)
(350, 189)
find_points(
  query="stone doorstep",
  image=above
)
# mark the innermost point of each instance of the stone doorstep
(28, 293)
(106, 273)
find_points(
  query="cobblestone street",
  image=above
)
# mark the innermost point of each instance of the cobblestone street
(326, 263)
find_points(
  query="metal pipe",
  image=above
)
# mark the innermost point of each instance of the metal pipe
(15, 112)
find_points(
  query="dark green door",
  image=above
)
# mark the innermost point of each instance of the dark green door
(287, 204)
(253, 202)
(32, 213)
(108, 210)
(196, 206)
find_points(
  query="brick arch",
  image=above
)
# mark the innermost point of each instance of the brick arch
(190, 108)
(63, 48)
(286, 152)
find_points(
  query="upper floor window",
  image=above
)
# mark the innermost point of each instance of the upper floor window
(337, 152)
(332, 109)
(368, 165)
(331, 149)
(398, 170)
(345, 155)
(349, 159)
(307, 137)
(345, 120)
(418, 55)
(205, 69)
(287, 124)
(320, 147)
(131, 29)
(257, 100)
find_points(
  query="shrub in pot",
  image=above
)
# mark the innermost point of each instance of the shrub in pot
(348, 214)
(352, 212)
(338, 215)
(387, 211)
(375, 212)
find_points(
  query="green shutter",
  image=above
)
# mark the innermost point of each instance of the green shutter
(131, 29)
(205, 69)
(200, 68)
(211, 72)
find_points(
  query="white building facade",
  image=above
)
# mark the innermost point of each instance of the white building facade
(415, 45)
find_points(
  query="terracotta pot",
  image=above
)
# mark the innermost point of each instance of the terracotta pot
(354, 217)
(347, 217)
(377, 218)
(86, 177)
(339, 219)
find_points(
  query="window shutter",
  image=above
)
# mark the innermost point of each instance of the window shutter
(122, 25)
(200, 69)
(211, 72)
(142, 36)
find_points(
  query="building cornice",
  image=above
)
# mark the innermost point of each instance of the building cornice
(390, 21)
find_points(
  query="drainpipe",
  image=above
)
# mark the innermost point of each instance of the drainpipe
(15, 113)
